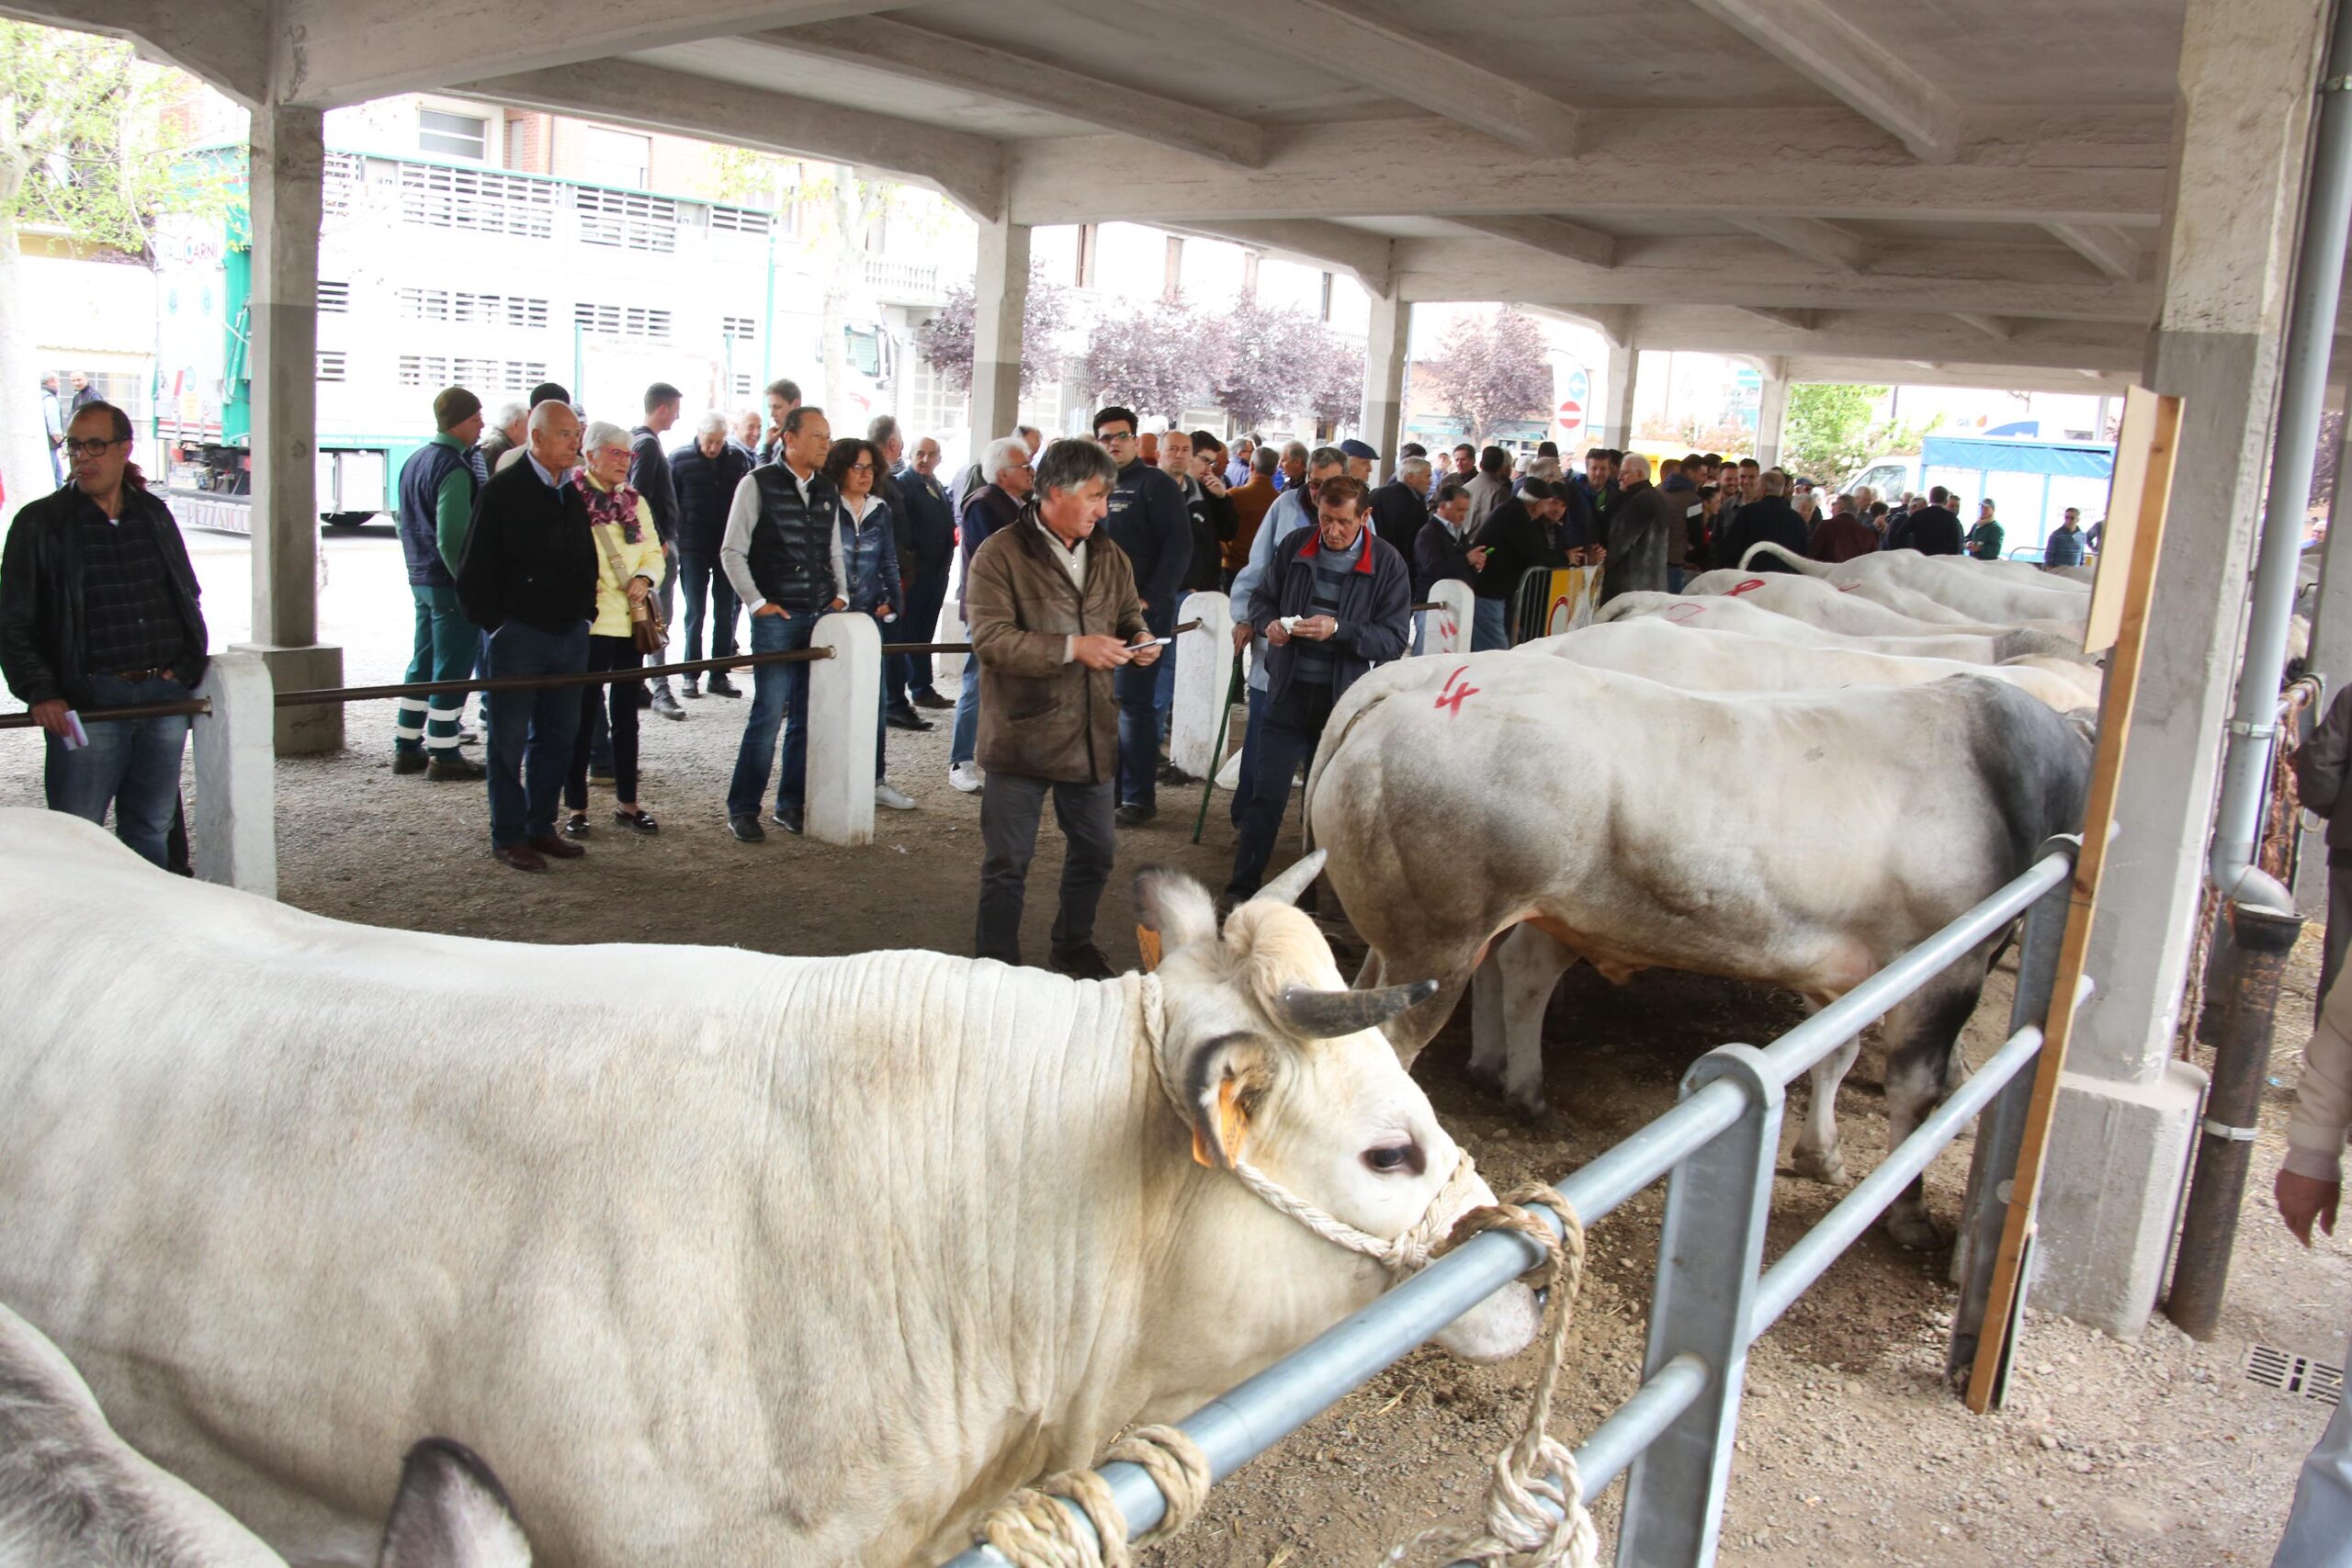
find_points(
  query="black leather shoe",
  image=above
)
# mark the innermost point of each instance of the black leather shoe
(408, 761)
(1134, 815)
(906, 718)
(786, 817)
(446, 766)
(927, 698)
(748, 829)
(720, 686)
(1083, 961)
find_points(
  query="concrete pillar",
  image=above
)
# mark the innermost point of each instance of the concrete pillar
(2127, 1112)
(844, 705)
(1771, 413)
(286, 184)
(1447, 628)
(233, 839)
(999, 296)
(1385, 351)
(1203, 677)
(1617, 388)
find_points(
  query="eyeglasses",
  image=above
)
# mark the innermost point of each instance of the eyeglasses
(861, 467)
(1118, 435)
(92, 448)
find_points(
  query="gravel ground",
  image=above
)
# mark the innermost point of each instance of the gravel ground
(2157, 1452)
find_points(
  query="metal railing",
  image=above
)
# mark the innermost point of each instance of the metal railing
(1712, 1298)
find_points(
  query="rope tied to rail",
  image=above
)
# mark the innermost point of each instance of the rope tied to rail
(1030, 1528)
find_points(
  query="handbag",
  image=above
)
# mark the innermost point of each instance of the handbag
(645, 623)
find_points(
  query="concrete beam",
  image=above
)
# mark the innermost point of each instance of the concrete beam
(1340, 40)
(1613, 322)
(879, 44)
(1795, 320)
(332, 51)
(2098, 164)
(2105, 247)
(1553, 236)
(1368, 257)
(1852, 67)
(1935, 342)
(968, 169)
(1858, 371)
(225, 42)
(1811, 238)
(1994, 327)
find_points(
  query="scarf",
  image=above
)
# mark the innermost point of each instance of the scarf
(617, 506)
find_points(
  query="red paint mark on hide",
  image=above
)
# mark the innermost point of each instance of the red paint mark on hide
(1681, 613)
(1750, 586)
(1847, 587)
(1451, 696)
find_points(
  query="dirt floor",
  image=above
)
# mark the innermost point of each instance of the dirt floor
(2158, 1452)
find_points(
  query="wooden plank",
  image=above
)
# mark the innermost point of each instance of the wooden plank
(2135, 527)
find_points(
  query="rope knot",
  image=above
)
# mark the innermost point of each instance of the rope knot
(1032, 1530)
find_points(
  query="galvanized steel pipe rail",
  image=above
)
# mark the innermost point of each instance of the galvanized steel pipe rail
(1713, 1297)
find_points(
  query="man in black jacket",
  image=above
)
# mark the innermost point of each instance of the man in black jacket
(98, 610)
(1398, 508)
(926, 553)
(528, 580)
(1337, 601)
(1766, 519)
(1151, 525)
(649, 475)
(1443, 551)
(1642, 528)
(1523, 532)
(704, 475)
(1933, 529)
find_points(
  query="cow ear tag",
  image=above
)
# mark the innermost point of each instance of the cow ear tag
(1232, 1127)
(1147, 947)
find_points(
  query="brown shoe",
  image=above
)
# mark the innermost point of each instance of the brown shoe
(522, 857)
(555, 848)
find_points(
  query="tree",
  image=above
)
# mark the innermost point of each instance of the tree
(1148, 359)
(85, 150)
(1262, 358)
(1337, 393)
(946, 340)
(1827, 433)
(1493, 370)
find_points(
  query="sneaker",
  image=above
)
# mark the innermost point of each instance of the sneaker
(786, 817)
(747, 829)
(449, 767)
(408, 761)
(665, 701)
(720, 686)
(927, 698)
(895, 798)
(1134, 814)
(1082, 962)
(965, 777)
(906, 718)
(689, 687)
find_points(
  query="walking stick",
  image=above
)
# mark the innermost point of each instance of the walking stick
(1233, 694)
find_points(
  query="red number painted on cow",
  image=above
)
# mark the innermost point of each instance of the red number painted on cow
(1682, 613)
(1750, 586)
(1451, 695)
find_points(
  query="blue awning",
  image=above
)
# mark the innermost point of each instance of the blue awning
(2083, 461)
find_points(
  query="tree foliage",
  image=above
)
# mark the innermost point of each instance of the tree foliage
(1147, 357)
(1263, 358)
(1826, 432)
(1337, 394)
(946, 340)
(1492, 370)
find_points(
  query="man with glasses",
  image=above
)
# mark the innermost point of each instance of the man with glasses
(98, 610)
(1149, 524)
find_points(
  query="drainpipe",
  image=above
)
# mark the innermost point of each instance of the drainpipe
(2319, 272)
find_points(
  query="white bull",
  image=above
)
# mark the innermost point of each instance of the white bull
(74, 1494)
(1718, 611)
(1833, 608)
(728, 1257)
(1987, 590)
(1799, 840)
(1697, 660)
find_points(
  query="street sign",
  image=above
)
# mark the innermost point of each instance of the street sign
(1571, 417)
(1576, 390)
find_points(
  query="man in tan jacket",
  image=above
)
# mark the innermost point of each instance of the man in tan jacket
(1053, 611)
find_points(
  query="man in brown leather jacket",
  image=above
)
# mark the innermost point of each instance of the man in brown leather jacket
(1053, 612)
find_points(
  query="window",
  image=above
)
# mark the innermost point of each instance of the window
(740, 220)
(330, 364)
(615, 157)
(742, 386)
(741, 328)
(626, 219)
(478, 375)
(335, 297)
(477, 310)
(423, 370)
(447, 135)
(341, 185)
(621, 321)
(473, 200)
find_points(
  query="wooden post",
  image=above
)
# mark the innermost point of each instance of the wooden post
(2132, 544)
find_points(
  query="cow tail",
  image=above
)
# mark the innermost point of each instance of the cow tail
(1796, 562)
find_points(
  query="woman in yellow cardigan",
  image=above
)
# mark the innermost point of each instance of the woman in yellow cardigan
(628, 565)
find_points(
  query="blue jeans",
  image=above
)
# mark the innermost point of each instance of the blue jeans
(775, 689)
(1293, 725)
(1251, 735)
(133, 765)
(1490, 627)
(705, 587)
(531, 732)
(965, 740)
(1136, 687)
(446, 648)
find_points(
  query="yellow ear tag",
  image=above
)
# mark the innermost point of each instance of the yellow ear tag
(1147, 945)
(1200, 1148)
(1232, 1122)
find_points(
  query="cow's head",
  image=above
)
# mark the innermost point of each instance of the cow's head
(1277, 1063)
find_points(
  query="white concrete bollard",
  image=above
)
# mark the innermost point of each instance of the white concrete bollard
(1447, 628)
(1203, 676)
(233, 836)
(844, 706)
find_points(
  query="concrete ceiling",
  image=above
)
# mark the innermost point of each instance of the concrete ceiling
(1954, 182)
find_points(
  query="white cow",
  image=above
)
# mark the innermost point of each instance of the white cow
(1718, 611)
(1801, 840)
(728, 1257)
(74, 1494)
(1831, 607)
(1697, 660)
(1982, 589)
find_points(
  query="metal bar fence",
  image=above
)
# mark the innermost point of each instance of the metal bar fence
(1717, 1148)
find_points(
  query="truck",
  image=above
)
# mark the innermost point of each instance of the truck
(2030, 482)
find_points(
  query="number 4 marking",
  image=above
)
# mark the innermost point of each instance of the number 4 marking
(1451, 696)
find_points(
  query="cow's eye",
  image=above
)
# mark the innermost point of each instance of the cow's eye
(1394, 1159)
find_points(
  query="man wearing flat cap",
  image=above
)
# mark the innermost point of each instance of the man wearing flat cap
(438, 487)
(1362, 460)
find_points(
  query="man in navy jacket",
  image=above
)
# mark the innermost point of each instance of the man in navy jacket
(1150, 522)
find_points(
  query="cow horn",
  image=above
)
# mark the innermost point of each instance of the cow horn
(1313, 1014)
(1296, 880)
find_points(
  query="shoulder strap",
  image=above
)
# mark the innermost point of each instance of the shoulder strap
(612, 554)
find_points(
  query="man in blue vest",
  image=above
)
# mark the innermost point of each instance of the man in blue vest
(437, 488)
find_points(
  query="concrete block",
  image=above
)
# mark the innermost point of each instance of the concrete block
(2111, 1195)
(1203, 676)
(303, 731)
(1447, 630)
(844, 700)
(233, 839)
